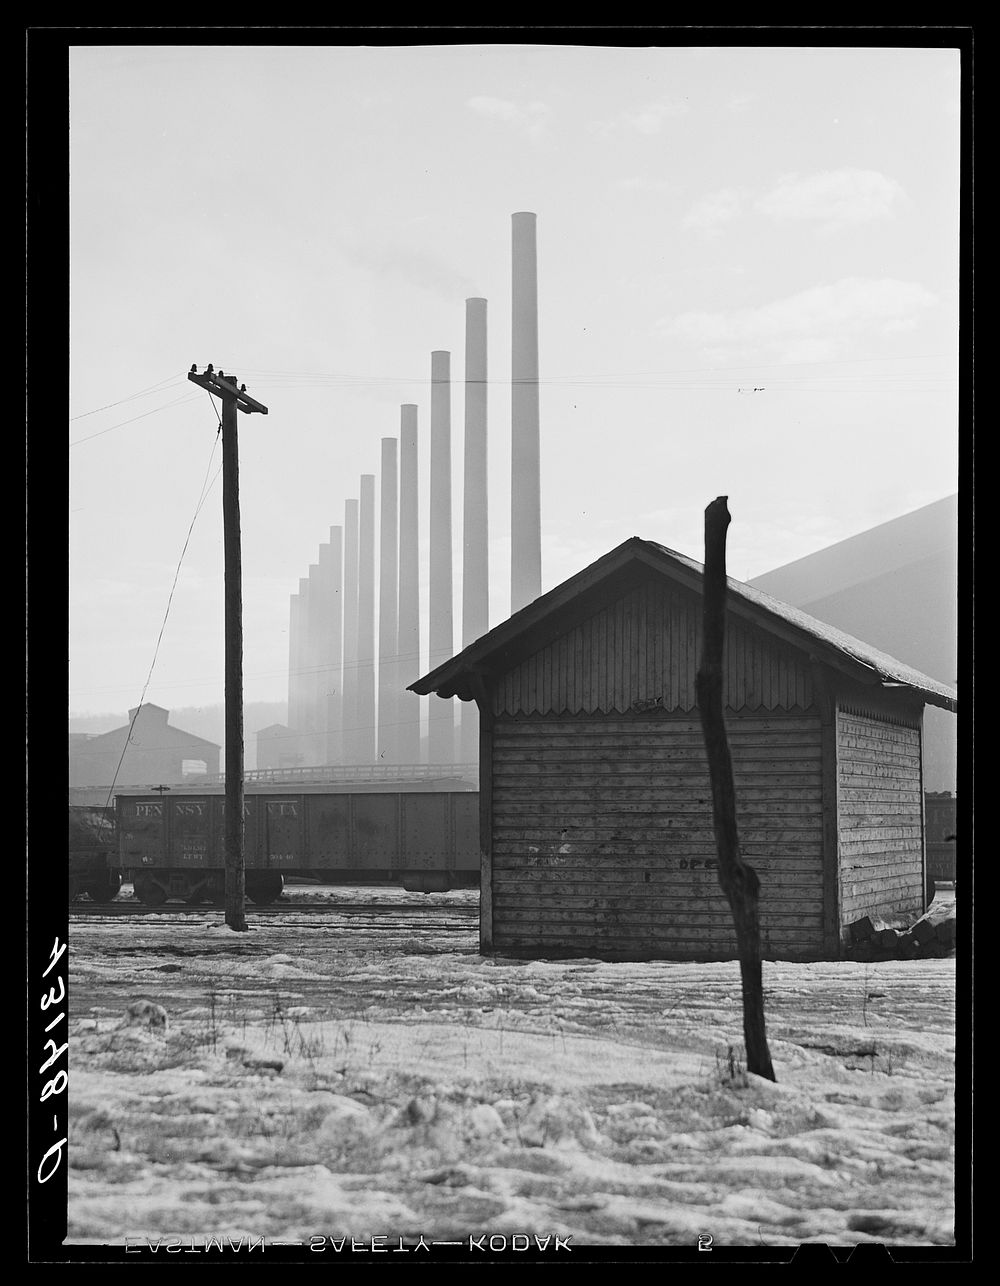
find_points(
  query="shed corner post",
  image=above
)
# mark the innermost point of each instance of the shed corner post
(483, 698)
(826, 702)
(927, 891)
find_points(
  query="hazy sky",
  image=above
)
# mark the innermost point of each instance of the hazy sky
(747, 279)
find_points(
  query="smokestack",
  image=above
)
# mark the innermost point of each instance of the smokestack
(475, 563)
(366, 621)
(409, 703)
(388, 614)
(294, 661)
(322, 630)
(526, 521)
(350, 705)
(302, 690)
(312, 667)
(441, 727)
(334, 649)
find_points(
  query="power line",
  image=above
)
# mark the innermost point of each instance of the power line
(170, 380)
(669, 379)
(206, 487)
(121, 424)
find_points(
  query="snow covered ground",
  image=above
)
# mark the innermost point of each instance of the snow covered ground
(318, 1081)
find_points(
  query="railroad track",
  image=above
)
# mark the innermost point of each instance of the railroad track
(385, 911)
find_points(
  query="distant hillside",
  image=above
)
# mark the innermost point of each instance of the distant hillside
(894, 586)
(204, 721)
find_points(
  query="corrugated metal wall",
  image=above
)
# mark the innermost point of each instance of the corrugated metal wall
(645, 648)
(881, 814)
(602, 837)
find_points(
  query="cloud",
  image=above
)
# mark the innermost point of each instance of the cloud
(833, 198)
(532, 118)
(652, 118)
(815, 321)
(648, 120)
(710, 213)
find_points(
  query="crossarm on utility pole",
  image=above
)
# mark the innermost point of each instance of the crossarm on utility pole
(225, 386)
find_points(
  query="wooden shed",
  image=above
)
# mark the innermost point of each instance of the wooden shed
(596, 818)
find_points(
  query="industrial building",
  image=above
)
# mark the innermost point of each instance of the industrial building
(147, 751)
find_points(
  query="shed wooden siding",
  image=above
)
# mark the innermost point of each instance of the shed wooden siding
(602, 838)
(645, 647)
(881, 814)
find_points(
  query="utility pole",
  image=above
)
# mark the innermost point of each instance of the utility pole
(234, 397)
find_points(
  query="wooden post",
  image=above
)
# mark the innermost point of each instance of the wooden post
(738, 880)
(233, 399)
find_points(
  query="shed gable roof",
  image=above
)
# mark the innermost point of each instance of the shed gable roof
(508, 642)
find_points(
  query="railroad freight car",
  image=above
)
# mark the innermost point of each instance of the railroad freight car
(420, 836)
(941, 830)
(93, 854)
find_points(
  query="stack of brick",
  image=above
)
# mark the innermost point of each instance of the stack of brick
(932, 935)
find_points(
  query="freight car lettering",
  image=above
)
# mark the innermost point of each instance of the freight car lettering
(382, 835)
(189, 810)
(693, 863)
(222, 808)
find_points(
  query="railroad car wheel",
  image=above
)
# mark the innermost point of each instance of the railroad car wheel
(105, 890)
(264, 887)
(149, 893)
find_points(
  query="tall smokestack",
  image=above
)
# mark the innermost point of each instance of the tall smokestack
(334, 651)
(322, 628)
(441, 715)
(409, 586)
(294, 661)
(366, 621)
(350, 712)
(312, 666)
(475, 563)
(302, 674)
(526, 520)
(388, 613)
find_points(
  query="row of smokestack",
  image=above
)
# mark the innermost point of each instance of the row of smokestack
(343, 708)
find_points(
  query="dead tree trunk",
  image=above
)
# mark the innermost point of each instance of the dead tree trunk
(739, 882)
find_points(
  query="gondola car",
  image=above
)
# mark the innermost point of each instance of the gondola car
(93, 854)
(416, 834)
(941, 838)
